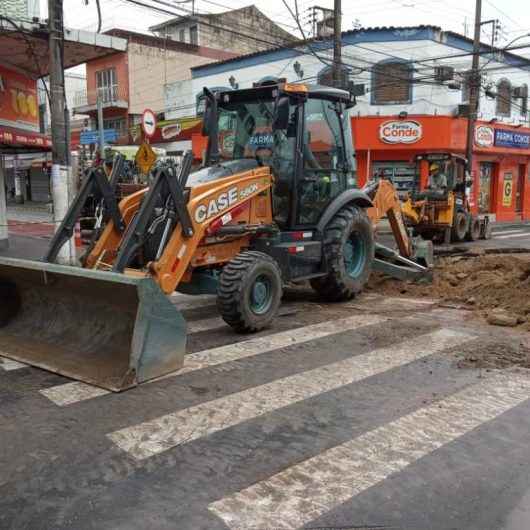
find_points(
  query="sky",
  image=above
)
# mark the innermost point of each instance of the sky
(455, 15)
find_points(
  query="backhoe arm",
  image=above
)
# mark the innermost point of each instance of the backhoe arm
(386, 202)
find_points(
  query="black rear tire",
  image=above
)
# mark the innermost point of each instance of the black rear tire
(250, 291)
(459, 228)
(348, 254)
(10, 302)
(473, 232)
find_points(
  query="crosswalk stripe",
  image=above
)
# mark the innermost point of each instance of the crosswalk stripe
(205, 324)
(77, 391)
(308, 490)
(191, 301)
(158, 435)
(526, 234)
(516, 231)
(9, 365)
(70, 393)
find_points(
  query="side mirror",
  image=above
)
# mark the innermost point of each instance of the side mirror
(280, 121)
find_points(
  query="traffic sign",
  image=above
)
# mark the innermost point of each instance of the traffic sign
(148, 122)
(92, 137)
(145, 158)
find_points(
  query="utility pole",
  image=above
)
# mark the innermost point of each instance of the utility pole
(101, 129)
(337, 44)
(4, 235)
(474, 88)
(61, 176)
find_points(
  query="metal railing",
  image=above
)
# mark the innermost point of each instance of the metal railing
(107, 94)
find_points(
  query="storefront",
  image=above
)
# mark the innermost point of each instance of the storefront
(20, 137)
(391, 147)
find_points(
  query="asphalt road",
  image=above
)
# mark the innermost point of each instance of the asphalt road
(348, 415)
(351, 415)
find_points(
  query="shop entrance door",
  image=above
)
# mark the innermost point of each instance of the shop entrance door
(484, 193)
(520, 189)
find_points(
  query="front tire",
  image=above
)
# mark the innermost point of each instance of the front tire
(250, 291)
(473, 232)
(460, 225)
(348, 254)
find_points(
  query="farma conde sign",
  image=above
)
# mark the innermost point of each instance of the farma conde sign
(400, 131)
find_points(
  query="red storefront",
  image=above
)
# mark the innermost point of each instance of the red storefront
(501, 180)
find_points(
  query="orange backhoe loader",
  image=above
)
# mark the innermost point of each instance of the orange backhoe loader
(275, 202)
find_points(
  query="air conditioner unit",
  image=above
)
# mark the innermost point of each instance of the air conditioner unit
(356, 90)
(463, 110)
(520, 92)
(444, 73)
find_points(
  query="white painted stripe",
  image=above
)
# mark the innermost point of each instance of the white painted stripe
(519, 230)
(231, 352)
(9, 365)
(158, 435)
(408, 301)
(205, 324)
(70, 393)
(306, 491)
(189, 301)
(283, 339)
(526, 234)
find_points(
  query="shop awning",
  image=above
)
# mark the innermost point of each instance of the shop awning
(13, 141)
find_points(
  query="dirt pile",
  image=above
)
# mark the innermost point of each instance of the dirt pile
(496, 286)
(496, 355)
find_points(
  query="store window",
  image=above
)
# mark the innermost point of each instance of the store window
(391, 83)
(107, 85)
(504, 98)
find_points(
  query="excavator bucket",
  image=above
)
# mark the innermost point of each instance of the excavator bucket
(107, 329)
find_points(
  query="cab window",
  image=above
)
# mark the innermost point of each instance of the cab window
(324, 169)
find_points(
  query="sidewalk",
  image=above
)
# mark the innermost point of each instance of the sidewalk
(30, 220)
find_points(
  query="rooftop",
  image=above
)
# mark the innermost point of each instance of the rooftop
(27, 43)
(374, 34)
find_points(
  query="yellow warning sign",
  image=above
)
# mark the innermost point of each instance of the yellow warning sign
(507, 190)
(145, 158)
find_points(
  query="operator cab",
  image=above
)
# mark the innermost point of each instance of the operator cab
(451, 165)
(302, 132)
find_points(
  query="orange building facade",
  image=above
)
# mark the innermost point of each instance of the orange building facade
(391, 145)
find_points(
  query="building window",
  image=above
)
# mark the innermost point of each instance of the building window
(194, 37)
(391, 83)
(524, 100)
(107, 85)
(118, 124)
(504, 98)
(182, 35)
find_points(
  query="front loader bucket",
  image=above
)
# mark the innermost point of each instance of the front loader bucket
(107, 329)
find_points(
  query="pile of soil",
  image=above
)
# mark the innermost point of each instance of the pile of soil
(486, 284)
(496, 355)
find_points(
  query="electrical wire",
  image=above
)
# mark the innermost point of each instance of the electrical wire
(98, 7)
(31, 50)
